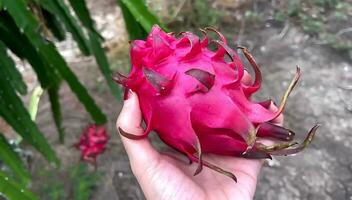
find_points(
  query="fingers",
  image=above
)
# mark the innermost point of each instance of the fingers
(247, 172)
(140, 152)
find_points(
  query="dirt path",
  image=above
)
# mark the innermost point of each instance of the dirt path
(324, 171)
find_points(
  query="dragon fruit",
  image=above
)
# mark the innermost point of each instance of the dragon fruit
(198, 101)
(92, 142)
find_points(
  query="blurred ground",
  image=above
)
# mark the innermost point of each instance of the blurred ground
(323, 171)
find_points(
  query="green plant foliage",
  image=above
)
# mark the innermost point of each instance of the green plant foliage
(12, 160)
(34, 102)
(16, 41)
(325, 20)
(340, 16)
(141, 14)
(82, 12)
(280, 17)
(103, 64)
(80, 91)
(195, 14)
(204, 15)
(8, 34)
(325, 2)
(58, 8)
(56, 111)
(47, 50)
(294, 8)
(54, 24)
(78, 183)
(14, 191)
(54, 190)
(83, 181)
(338, 42)
(134, 29)
(253, 16)
(14, 77)
(311, 25)
(16, 115)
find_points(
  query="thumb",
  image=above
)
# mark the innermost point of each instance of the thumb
(140, 152)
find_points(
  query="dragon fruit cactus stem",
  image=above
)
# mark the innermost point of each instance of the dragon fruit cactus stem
(198, 102)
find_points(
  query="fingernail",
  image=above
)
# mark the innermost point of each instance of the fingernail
(127, 94)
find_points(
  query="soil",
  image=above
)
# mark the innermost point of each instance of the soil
(323, 171)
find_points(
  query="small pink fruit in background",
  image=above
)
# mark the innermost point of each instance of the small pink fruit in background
(92, 142)
(198, 102)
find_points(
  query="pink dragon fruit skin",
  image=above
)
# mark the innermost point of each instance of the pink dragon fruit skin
(92, 142)
(198, 102)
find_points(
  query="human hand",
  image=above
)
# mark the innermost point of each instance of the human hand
(166, 176)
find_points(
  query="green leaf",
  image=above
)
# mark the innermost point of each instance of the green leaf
(142, 15)
(84, 181)
(16, 115)
(73, 82)
(134, 29)
(79, 6)
(34, 102)
(54, 24)
(47, 50)
(56, 111)
(12, 75)
(21, 46)
(103, 64)
(82, 12)
(59, 9)
(9, 38)
(12, 160)
(14, 191)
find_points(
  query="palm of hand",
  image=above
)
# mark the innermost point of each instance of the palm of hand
(166, 177)
(172, 178)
